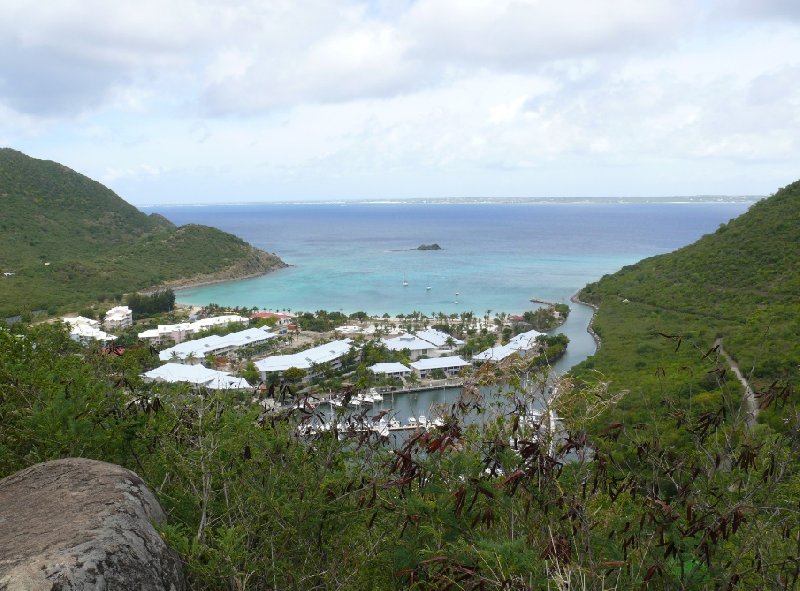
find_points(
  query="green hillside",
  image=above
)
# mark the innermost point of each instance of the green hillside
(658, 318)
(97, 245)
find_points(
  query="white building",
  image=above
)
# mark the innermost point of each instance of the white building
(197, 375)
(450, 365)
(118, 317)
(330, 353)
(195, 351)
(423, 343)
(416, 347)
(84, 330)
(280, 319)
(177, 333)
(524, 344)
(440, 339)
(391, 370)
(369, 329)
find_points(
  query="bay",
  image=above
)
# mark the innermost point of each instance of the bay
(495, 256)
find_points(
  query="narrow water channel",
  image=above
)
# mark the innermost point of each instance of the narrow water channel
(416, 404)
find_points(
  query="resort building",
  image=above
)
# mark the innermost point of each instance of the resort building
(439, 339)
(329, 353)
(85, 330)
(369, 329)
(177, 333)
(390, 370)
(523, 345)
(196, 375)
(118, 317)
(416, 347)
(74, 320)
(423, 343)
(451, 366)
(193, 352)
(280, 319)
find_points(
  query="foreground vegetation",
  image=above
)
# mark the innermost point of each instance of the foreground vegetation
(253, 505)
(68, 241)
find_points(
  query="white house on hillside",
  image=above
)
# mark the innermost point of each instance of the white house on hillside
(84, 330)
(177, 333)
(193, 352)
(118, 317)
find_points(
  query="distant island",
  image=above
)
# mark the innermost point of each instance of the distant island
(433, 246)
(68, 241)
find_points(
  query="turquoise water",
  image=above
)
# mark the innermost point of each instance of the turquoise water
(495, 257)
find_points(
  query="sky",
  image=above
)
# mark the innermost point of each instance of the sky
(200, 101)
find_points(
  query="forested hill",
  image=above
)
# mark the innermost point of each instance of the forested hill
(740, 284)
(97, 245)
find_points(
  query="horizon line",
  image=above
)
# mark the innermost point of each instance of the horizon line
(665, 199)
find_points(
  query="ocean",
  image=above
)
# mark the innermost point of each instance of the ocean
(495, 256)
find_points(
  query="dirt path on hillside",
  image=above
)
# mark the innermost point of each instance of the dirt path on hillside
(749, 395)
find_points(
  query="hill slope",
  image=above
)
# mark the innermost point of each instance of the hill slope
(657, 318)
(97, 244)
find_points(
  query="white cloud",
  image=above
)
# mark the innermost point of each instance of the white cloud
(183, 99)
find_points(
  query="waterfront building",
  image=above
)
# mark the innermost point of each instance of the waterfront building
(451, 366)
(391, 370)
(523, 345)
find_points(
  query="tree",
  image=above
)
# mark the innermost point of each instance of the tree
(250, 372)
(294, 375)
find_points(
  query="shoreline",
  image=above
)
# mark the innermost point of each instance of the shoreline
(202, 281)
(575, 299)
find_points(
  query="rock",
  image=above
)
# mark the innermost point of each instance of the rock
(82, 524)
(433, 246)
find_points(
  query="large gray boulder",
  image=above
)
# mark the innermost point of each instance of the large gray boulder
(81, 524)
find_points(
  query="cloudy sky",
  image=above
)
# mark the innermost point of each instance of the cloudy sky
(190, 101)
